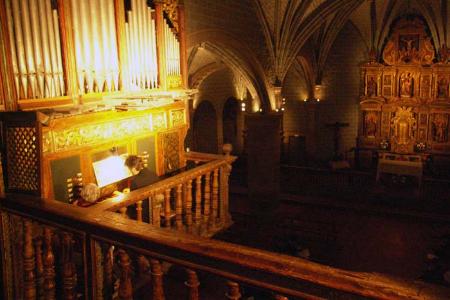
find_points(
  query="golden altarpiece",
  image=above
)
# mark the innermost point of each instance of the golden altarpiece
(405, 106)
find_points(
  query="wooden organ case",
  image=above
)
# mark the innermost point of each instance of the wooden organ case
(405, 103)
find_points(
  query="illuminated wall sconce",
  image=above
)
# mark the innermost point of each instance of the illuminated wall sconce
(319, 92)
(243, 106)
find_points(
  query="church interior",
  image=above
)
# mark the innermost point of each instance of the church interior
(240, 149)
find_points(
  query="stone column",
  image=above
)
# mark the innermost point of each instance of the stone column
(311, 130)
(263, 162)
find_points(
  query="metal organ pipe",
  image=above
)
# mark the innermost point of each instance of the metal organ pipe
(95, 44)
(13, 47)
(141, 38)
(35, 48)
(172, 52)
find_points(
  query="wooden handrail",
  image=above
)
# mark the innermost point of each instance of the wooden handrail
(275, 272)
(133, 197)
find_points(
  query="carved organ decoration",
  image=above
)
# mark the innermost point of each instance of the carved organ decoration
(406, 103)
(35, 48)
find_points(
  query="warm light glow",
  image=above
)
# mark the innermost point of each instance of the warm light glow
(110, 170)
(187, 149)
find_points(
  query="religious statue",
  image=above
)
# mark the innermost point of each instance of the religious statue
(371, 124)
(406, 85)
(442, 88)
(389, 53)
(440, 128)
(409, 48)
(403, 125)
(371, 87)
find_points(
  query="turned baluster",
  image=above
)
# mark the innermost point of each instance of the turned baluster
(143, 266)
(215, 197)
(179, 208)
(189, 204)
(223, 210)
(28, 262)
(49, 266)
(125, 287)
(139, 211)
(156, 213)
(279, 297)
(108, 271)
(167, 208)
(69, 270)
(233, 291)
(39, 268)
(192, 283)
(157, 280)
(207, 192)
(123, 211)
(198, 200)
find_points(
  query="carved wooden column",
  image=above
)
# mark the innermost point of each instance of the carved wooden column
(68, 49)
(28, 262)
(157, 280)
(160, 44)
(8, 91)
(119, 10)
(189, 205)
(179, 207)
(125, 286)
(49, 266)
(192, 283)
(69, 269)
(139, 211)
(233, 291)
(183, 49)
(39, 268)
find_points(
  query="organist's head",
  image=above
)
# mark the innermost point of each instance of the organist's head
(134, 163)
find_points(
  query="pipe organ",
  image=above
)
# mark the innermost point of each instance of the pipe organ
(36, 54)
(68, 51)
(172, 55)
(95, 45)
(140, 31)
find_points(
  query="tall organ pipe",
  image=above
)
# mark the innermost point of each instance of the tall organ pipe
(46, 53)
(114, 62)
(13, 47)
(51, 35)
(59, 74)
(28, 47)
(37, 48)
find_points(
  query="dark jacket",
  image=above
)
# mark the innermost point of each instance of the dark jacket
(144, 178)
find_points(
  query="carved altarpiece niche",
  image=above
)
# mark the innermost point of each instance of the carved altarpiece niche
(405, 106)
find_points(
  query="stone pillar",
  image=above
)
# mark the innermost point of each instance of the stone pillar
(311, 130)
(263, 159)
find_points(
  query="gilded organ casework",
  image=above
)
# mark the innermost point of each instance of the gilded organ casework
(406, 103)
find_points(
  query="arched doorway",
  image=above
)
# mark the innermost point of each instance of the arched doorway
(230, 122)
(205, 128)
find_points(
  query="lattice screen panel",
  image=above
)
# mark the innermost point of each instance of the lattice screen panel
(171, 149)
(22, 159)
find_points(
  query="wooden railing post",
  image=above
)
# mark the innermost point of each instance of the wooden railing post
(157, 280)
(192, 283)
(139, 211)
(207, 196)
(157, 201)
(198, 200)
(215, 197)
(167, 208)
(49, 266)
(189, 205)
(123, 211)
(28, 262)
(224, 205)
(125, 287)
(233, 291)
(179, 207)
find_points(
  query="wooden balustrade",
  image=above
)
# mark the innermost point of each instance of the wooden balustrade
(143, 260)
(194, 201)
